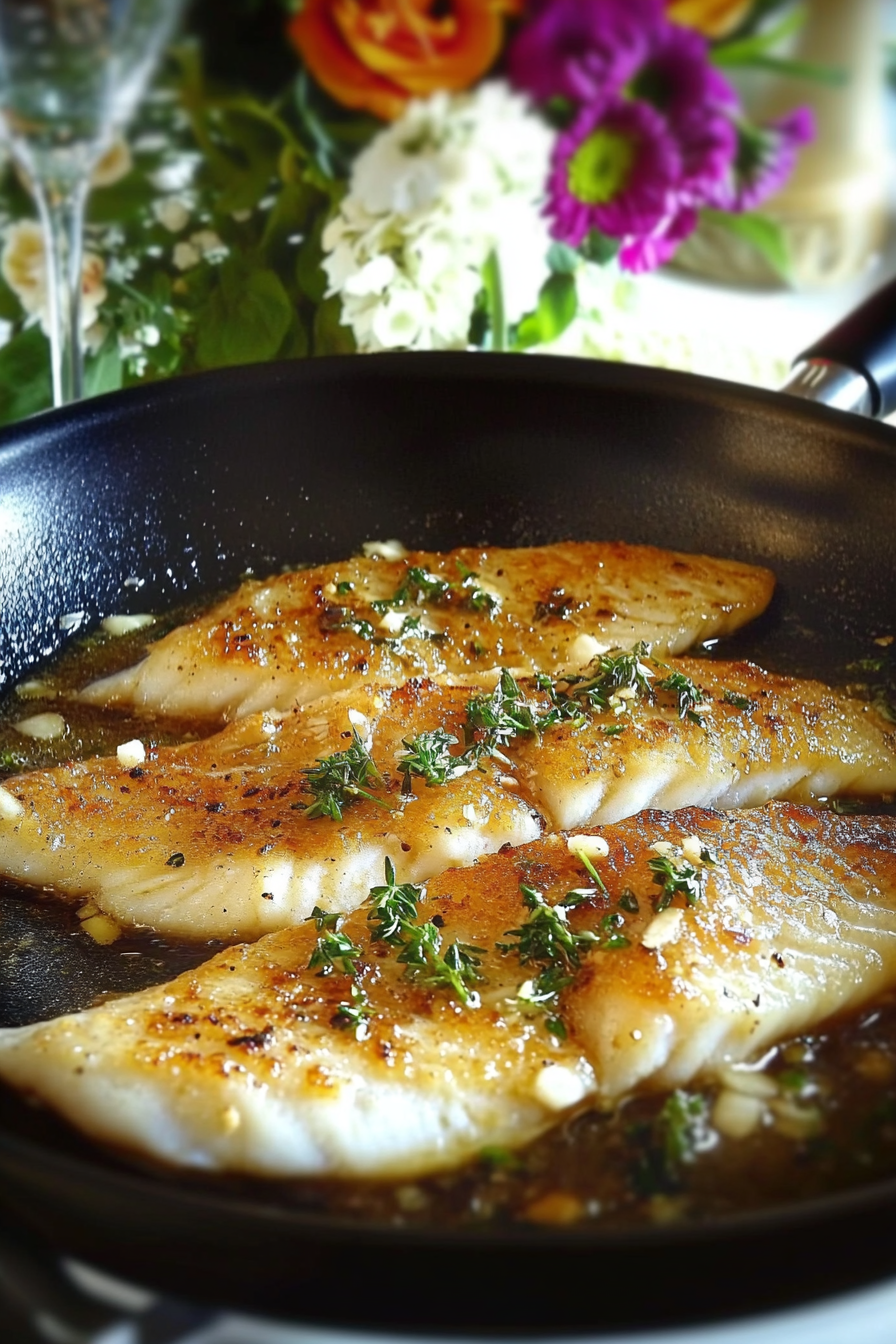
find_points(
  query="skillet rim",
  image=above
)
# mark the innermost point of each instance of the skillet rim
(598, 373)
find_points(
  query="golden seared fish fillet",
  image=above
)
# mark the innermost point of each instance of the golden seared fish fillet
(427, 1026)
(222, 838)
(215, 839)
(450, 614)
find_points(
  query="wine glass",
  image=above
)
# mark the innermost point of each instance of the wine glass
(71, 75)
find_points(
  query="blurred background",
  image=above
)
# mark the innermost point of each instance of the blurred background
(708, 189)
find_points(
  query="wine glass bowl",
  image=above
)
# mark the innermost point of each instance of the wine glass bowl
(71, 75)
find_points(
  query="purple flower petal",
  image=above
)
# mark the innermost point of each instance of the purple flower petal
(584, 50)
(765, 158)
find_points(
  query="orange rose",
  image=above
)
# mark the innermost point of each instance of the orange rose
(377, 54)
(715, 18)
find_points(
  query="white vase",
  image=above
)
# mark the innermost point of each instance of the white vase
(834, 208)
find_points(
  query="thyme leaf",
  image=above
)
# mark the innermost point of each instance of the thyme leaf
(334, 950)
(428, 756)
(676, 875)
(339, 779)
(494, 720)
(688, 693)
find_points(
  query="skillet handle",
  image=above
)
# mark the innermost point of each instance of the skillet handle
(853, 367)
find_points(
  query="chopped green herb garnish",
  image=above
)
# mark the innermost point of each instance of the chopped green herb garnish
(175, 861)
(345, 618)
(339, 779)
(428, 756)
(477, 599)
(688, 693)
(738, 701)
(344, 587)
(678, 1133)
(676, 875)
(629, 901)
(354, 1015)
(494, 720)
(393, 920)
(393, 906)
(547, 940)
(456, 970)
(333, 951)
(417, 588)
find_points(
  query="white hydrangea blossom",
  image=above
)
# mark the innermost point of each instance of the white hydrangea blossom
(430, 198)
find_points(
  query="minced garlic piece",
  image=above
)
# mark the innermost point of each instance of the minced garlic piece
(10, 807)
(558, 1087)
(583, 649)
(392, 622)
(664, 928)
(125, 625)
(384, 550)
(736, 1115)
(592, 846)
(692, 849)
(42, 727)
(131, 754)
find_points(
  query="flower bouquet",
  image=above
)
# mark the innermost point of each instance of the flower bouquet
(338, 175)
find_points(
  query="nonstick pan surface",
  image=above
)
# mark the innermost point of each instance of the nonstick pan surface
(184, 487)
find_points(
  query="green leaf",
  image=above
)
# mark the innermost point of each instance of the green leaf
(24, 375)
(598, 248)
(330, 337)
(10, 304)
(763, 233)
(295, 343)
(562, 259)
(744, 50)
(246, 317)
(121, 201)
(104, 372)
(557, 306)
(310, 275)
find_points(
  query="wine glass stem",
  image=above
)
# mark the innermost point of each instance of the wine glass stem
(62, 218)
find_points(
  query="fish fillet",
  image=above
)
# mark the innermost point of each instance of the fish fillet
(211, 839)
(448, 614)
(241, 1065)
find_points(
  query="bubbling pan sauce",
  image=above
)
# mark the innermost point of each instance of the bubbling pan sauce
(827, 1102)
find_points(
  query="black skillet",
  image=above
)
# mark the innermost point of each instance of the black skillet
(186, 485)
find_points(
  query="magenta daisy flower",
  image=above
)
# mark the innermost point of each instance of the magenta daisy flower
(583, 50)
(615, 171)
(696, 100)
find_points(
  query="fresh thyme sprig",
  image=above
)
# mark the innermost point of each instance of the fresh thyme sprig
(546, 940)
(428, 756)
(494, 720)
(393, 920)
(417, 587)
(334, 950)
(688, 692)
(339, 779)
(393, 905)
(677, 875)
